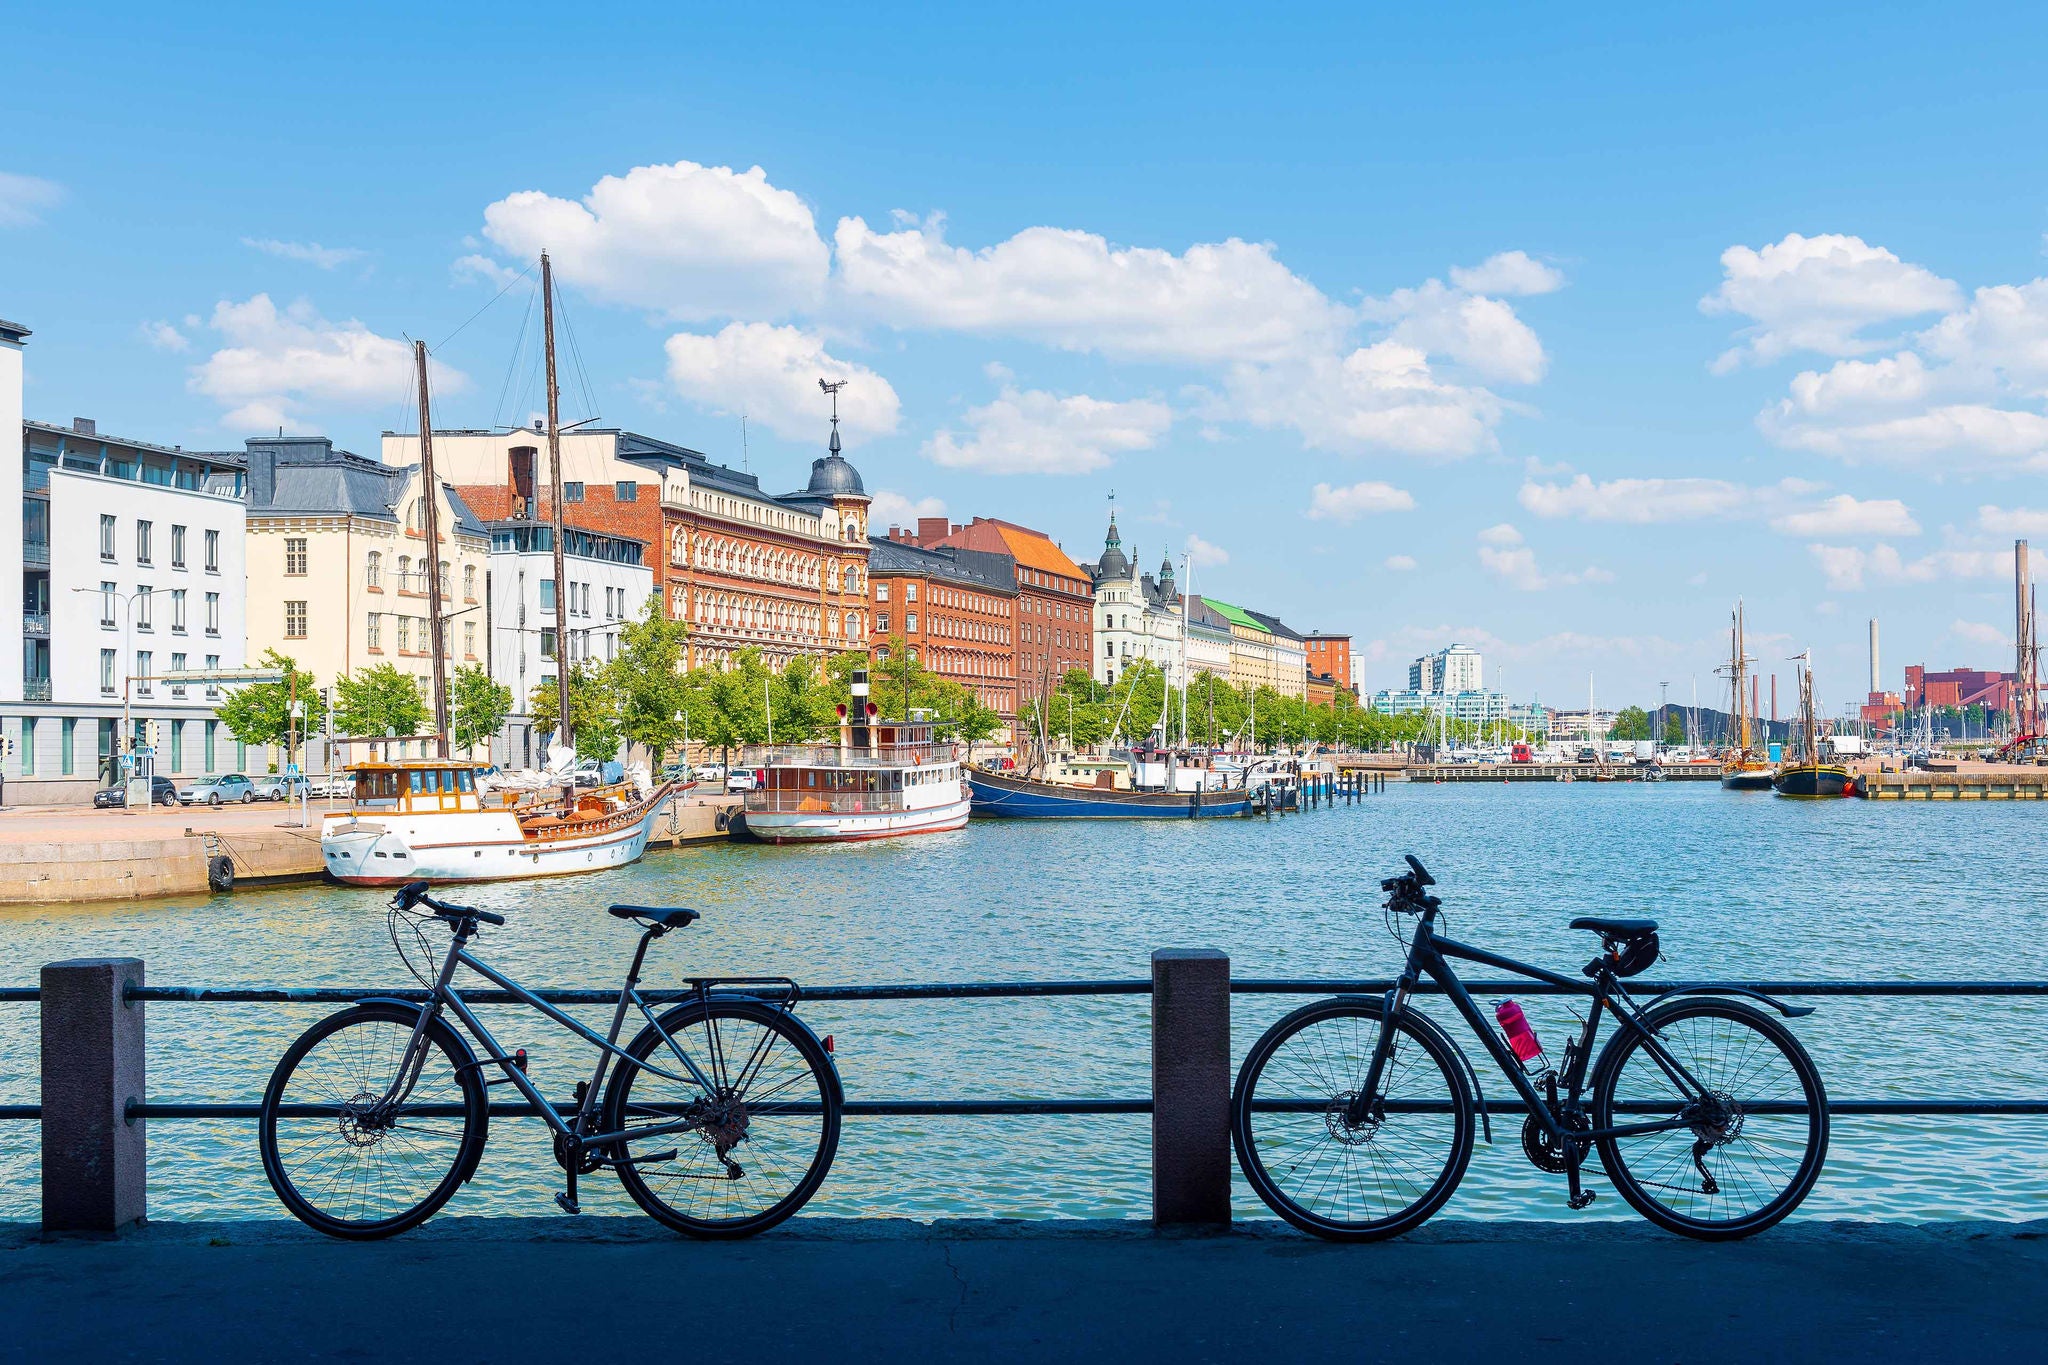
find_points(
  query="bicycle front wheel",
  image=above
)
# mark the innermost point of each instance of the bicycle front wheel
(338, 1157)
(1748, 1150)
(1351, 1181)
(759, 1118)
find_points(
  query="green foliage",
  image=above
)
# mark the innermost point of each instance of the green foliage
(1674, 728)
(729, 707)
(646, 682)
(1631, 722)
(477, 707)
(260, 712)
(379, 701)
(593, 716)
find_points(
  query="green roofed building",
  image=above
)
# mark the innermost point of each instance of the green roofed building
(1264, 652)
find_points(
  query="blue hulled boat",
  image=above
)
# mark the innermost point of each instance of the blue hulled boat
(1006, 796)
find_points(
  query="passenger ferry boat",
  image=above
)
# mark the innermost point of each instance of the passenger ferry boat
(427, 818)
(882, 779)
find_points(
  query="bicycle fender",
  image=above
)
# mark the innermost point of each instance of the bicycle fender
(1424, 1022)
(1789, 1011)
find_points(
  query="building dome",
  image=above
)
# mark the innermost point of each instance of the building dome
(832, 476)
(1113, 563)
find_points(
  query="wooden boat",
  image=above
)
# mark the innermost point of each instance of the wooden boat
(1744, 770)
(1806, 775)
(1009, 796)
(883, 779)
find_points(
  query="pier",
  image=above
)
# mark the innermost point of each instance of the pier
(1563, 772)
(1982, 782)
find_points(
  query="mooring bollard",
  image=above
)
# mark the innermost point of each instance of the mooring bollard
(1190, 1086)
(94, 1169)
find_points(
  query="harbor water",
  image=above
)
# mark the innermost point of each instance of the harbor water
(1746, 887)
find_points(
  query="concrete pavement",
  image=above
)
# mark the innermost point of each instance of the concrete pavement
(470, 1289)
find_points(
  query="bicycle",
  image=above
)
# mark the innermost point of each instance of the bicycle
(377, 1115)
(1353, 1117)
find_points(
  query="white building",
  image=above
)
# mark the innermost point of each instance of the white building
(1137, 616)
(132, 565)
(1455, 669)
(609, 584)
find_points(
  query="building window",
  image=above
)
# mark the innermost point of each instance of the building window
(177, 546)
(547, 643)
(212, 612)
(469, 639)
(404, 634)
(294, 620)
(442, 565)
(625, 490)
(469, 582)
(404, 573)
(373, 631)
(910, 622)
(295, 556)
(177, 666)
(143, 661)
(882, 622)
(373, 571)
(572, 492)
(213, 552)
(910, 592)
(143, 536)
(881, 592)
(107, 538)
(212, 689)
(143, 607)
(547, 594)
(28, 746)
(210, 728)
(109, 594)
(178, 610)
(178, 740)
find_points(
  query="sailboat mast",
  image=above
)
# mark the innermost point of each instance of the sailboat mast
(430, 496)
(563, 734)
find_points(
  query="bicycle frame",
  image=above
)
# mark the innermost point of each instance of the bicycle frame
(1429, 954)
(444, 994)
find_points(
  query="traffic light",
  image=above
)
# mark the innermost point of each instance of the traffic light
(152, 733)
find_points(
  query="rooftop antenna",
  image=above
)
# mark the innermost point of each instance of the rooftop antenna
(833, 388)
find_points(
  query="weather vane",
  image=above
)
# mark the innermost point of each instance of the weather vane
(833, 389)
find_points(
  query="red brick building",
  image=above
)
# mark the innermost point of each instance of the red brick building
(1055, 603)
(1958, 687)
(955, 612)
(1329, 662)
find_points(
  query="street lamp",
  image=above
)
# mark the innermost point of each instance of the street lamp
(127, 601)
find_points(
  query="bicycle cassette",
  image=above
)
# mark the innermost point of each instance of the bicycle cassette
(1545, 1153)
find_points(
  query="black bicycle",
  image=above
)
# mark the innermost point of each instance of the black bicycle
(1354, 1117)
(720, 1118)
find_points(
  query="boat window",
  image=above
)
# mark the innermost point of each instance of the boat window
(377, 789)
(465, 780)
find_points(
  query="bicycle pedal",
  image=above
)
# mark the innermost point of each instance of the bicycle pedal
(1582, 1198)
(568, 1203)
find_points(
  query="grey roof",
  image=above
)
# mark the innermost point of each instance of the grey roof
(14, 331)
(1113, 564)
(1200, 613)
(978, 569)
(307, 475)
(1276, 625)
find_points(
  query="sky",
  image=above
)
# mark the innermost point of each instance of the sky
(1550, 333)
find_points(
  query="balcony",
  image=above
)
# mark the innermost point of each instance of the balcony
(35, 553)
(36, 624)
(35, 689)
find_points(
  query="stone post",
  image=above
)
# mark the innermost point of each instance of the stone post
(94, 1177)
(1190, 1086)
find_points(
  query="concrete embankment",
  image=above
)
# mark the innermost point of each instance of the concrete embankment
(72, 853)
(464, 1289)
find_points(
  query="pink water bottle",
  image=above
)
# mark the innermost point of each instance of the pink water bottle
(1521, 1038)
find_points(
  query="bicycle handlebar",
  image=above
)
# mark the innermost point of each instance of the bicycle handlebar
(415, 893)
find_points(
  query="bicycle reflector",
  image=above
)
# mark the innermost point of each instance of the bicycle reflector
(828, 1042)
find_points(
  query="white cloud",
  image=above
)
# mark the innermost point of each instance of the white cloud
(1508, 272)
(1977, 633)
(1843, 516)
(894, 509)
(1819, 294)
(1974, 435)
(164, 336)
(1385, 395)
(474, 268)
(1507, 556)
(1482, 334)
(1204, 555)
(691, 242)
(1401, 563)
(1648, 501)
(312, 253)
(1035, 432)
(1849, 568)
(24, 199)
(276, 361)
(1357, 500)
(1217, 303)
(2012, 521)
(770, 375)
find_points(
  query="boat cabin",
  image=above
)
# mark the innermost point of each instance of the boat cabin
(1103, 774)
(422, 787)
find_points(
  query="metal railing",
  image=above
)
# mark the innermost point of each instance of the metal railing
(36, 553)
(36, 624)
(35, 689)
(842, 756)
(1048, 1105)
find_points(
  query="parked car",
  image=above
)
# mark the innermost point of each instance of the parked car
(218, 791)
(162, 790)
(711, 772)
(275, 787)
(332, 784)
(675, 772)
(742, 780)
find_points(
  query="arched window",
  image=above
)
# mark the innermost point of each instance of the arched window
(469, 582)
(404, 573)
(373, 570)
(443, 564)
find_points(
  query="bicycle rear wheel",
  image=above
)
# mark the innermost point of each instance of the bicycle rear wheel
(341, 1162)
(1319, 1171)
(762, 1134)
(1751, 1148)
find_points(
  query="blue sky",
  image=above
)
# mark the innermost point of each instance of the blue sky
(1553, 333)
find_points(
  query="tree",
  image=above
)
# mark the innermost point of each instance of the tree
(728, 706)
(477, 707)
(1674, 729)
(379, 701)
(803, 702)
(260, 713)
(647, 683)
(1632, 722)
(592, 717)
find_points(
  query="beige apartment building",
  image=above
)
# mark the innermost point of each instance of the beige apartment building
(338, 560)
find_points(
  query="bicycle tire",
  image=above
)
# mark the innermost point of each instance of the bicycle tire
(1652, 1162)
(376, 1057)
(807, 1094)
(1356, 1031)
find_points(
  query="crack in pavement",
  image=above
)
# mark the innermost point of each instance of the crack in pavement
(946, 1251)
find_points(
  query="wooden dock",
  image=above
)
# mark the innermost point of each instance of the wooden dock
(1996, 784)
(1561, 772)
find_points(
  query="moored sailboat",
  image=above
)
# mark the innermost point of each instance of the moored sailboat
(1744, 769)
(1806, 775)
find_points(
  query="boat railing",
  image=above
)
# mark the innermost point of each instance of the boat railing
(843, 756)
(787, 801)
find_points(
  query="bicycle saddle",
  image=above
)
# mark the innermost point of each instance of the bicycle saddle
(1616, 928)
(674, 917)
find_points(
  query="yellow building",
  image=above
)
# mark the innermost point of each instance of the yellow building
(338, 560)
(1263, 651)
